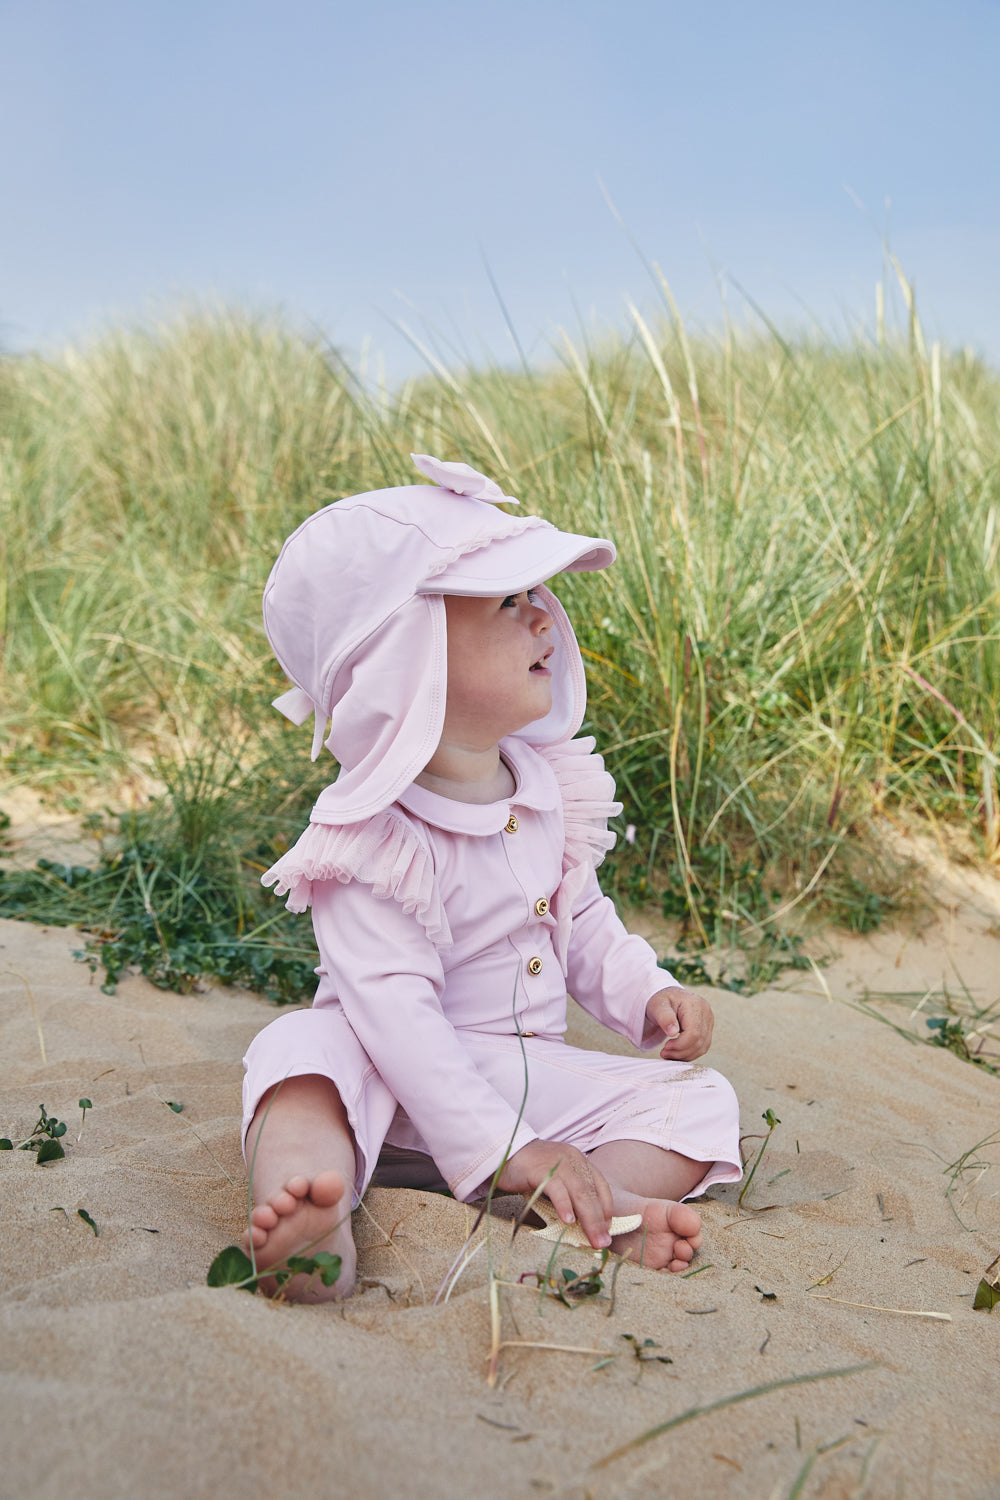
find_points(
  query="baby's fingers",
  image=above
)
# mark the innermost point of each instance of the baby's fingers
(683, 1048)
(560, 1200)
(592, 1203)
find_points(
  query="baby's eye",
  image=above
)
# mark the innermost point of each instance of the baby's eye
(530, 594)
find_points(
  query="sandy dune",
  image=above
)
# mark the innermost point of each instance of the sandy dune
(123, 1374)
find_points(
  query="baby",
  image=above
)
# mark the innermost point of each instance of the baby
(451, 873)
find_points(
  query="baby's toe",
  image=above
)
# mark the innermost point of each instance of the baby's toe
(686, 1222)
(263, 1217)
(285, 1203)
(326, 1189)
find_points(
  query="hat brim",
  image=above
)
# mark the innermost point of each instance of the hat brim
(512, 563)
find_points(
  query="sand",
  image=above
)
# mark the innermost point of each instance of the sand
(122, 1373)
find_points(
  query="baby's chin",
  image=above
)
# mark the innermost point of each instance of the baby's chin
(525, 719)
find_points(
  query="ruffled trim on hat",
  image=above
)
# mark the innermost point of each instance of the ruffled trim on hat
(511, 526)
(588, 798)
(384, 852)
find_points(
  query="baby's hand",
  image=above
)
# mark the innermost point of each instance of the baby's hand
(576, 1189)
(687, 1021)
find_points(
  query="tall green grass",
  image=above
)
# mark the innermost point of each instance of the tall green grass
(802, 631)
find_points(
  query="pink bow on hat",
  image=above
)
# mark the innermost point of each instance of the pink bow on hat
(462, 480)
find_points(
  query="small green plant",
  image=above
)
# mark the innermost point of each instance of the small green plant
(570, 1287)
(45, 1139)
(951, 1035)
(233, 1267)
(988, 1291)
(771, 1121)
(644, 1352)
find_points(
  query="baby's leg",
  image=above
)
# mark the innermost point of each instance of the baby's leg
(647, 1180)
(302, 1175)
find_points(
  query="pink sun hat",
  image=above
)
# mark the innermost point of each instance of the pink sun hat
(353, 609)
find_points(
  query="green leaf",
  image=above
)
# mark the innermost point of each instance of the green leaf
(84, 1104)
(329, 1266)
(300, 1265)
(49, 1151)
(326, 1264)
(87, 1220)
(232, 1267)
(58, 1129)
(5, 1144)
(172, 1104)
(987, 1297)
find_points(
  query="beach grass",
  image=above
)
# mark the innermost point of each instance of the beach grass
(800, 640)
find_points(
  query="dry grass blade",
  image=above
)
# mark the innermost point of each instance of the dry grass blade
(495, 1343)
(533, 1344)
(726, 1401)
(34, 1010)
(904, 1312)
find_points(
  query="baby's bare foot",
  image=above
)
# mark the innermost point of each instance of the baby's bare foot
(303, 1218)
(667, 1239)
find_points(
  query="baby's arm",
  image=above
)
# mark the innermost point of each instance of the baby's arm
(614, 975)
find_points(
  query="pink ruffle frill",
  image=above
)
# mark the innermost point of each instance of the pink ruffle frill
(387, 853)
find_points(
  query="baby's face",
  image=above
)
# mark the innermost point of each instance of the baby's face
(498, 677)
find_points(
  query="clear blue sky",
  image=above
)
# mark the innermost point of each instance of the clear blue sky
(358, 163)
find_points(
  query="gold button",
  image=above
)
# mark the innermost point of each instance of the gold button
(534, 965)
(511, 825)
(527, 1033)
(541, 907)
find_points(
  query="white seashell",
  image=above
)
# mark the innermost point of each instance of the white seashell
(572, 1234)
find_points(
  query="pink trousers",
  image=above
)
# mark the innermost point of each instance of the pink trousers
(583, 1098)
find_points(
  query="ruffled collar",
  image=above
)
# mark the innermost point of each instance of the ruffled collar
(535, 789)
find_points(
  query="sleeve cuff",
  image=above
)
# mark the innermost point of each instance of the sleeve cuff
(649, 1034)
(475, 1179)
